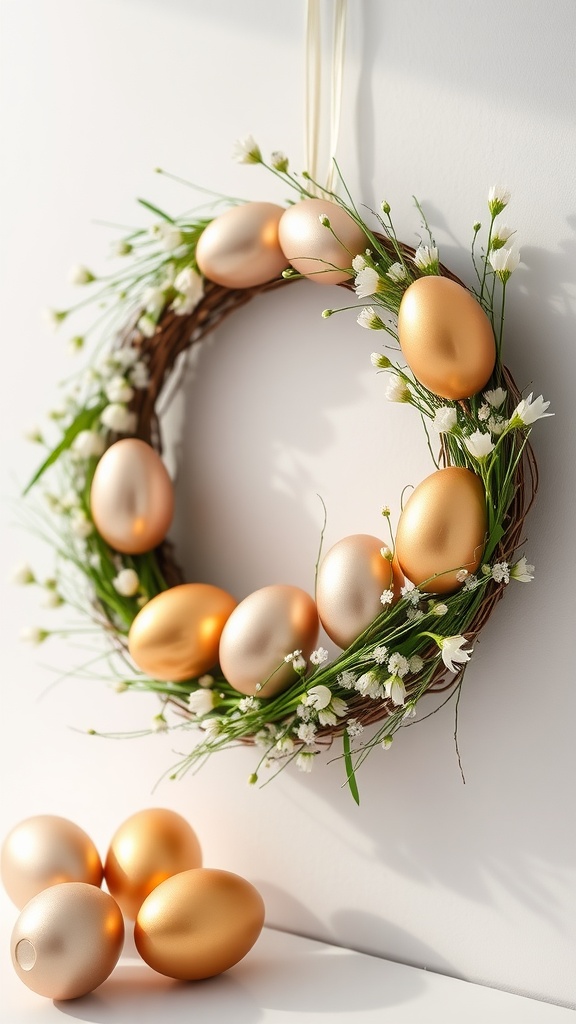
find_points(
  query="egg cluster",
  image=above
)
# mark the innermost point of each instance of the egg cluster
(191, 922)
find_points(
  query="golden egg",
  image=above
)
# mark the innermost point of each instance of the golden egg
(67, 940)
(322, 254)
(199, 923)
(132, 498)
(442, 529)
(44, 850)
(351, 579)
(446, 337)
(148, 848)
(265, 627)
(176, 635)
(240, 249)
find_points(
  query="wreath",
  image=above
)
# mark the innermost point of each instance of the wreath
(405, 614)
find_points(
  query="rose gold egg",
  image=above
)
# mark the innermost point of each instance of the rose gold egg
(67, 940)
(132, 498)
(44, 850)
(265, 627)
(320, 253)
(446, 337)
(199, 923)
(240, 249)
(351, 580)
(442, 529)
(176, 635)
(149, 847)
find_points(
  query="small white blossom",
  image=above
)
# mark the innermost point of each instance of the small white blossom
(248, 704)
(285, 745)
(327, 717)
(119, 390)
(290, 657)
(397, 273)
(498, 198)
(358, 263)
(501, 572)
(461, 575)
(529, 410)
(369, 318)
(380, 361)
(479, 444)
(386, 742)
(88, 444)
(201, 702)
(119, 419)
(439, 609)
(305, 761)
(147, 326)
(159, 723)
(397, 390)
(453, 651)
(411, 593)
(416, 664)
(380, 654)
(54, 317)
(247, 151)
(80, 275)
(410, 711)
(354, 727)
(279, 161)
(190, 287)
(154, 300)
(303, 712)
(80, 524)
(318, 697)
(496, 398)
(169, 234)
(504, 262)
(52, 599)
(33, 635)
(369, 685)
(306, 732)
(367, 282)
(445, 419)
(426, 258)
(319, 656)
(398, 665)
(500, 235)
(299, 663)
(522, 571)
(346, 679)
(484, 412)
(212, 726)
(124, 357)
(126, 582)
(414, 614)
(206, 681)
(22, 575)
(470, 583)
(139, 376)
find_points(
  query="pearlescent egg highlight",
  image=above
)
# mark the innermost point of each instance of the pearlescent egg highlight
(240, 248)
(322, 254)
(351, 579)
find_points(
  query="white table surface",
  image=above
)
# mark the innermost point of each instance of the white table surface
(285, 978)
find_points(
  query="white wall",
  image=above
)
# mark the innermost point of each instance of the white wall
(442, 100)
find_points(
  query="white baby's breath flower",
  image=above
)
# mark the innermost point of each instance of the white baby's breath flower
(369, 319)
(248, 704)
(206, 681)
(426, 259)
(496, 397)
(496, 424)
(470, 583)
(498, 199)
(305, 761)
(306, 732)
(247, 151)
(484, 412)
(22, 575)
(33, 434)
(397, 273)
(190, 287)
(201, 702)
(147, 326)
(380, 654)
(397, 390)
(317, 697)
(479, 444)
(88, 444)
(33, 635)
(367, 282)
(395, 690)
(445, 419)
(126, 582)
(319, 656)
(358, 263)
(346, 679)
(118, 418)
(529, 410)
(501, 572)
(354, 727)
(410, 593)
(398, 665)
(290, 657)
(461, 575)
(80, 274)
(504, 262)
(522, 571)
(80, 524)
(416, 664)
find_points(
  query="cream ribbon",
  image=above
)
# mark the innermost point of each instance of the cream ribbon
(313, 85)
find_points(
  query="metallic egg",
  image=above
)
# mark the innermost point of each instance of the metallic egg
(351, 578)
(442, 529)
(446, 337)
(149, 847)
(322, 254)
(199, 923)
(43, 851)
(176, 635)
(67, 940)
(265, 627)
(240, 249)
(132, 498)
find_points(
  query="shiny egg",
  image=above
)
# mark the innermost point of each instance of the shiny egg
(43, 851)
(149, 847)
(446, 337)
(240, 248)
(176, 635)
(67, 940)
(265, 627)
(351, 579)
(199, 923)
(132, 497)
(442, 529)
(322, 254)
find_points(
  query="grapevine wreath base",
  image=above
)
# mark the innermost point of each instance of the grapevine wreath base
(415, 643)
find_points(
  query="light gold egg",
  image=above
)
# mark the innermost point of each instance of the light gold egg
(322, 254)
(446, 337)
(442, 529)
(199, 923)
(176, 635)
(132, 498)
(351, 579)
(240, 248)
(67, 940)
(265, 627)
(149, 847)
(44, 850)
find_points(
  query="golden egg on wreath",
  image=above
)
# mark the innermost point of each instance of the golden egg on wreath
(404, 607)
